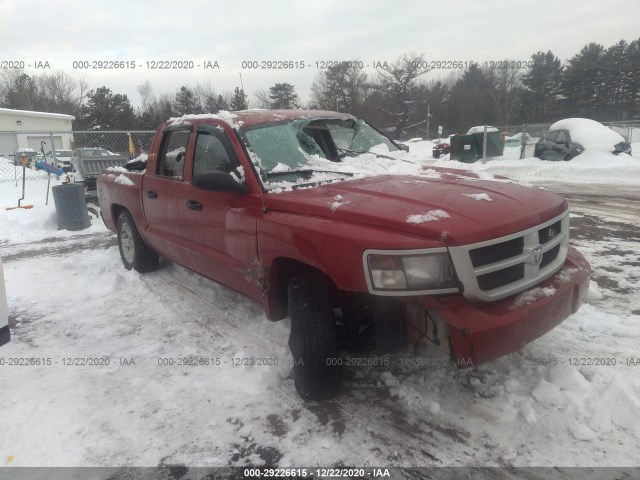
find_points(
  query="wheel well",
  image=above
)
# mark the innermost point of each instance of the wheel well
(116, 210)
(282, 270)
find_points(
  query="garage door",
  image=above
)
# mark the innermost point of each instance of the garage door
(33, 141)
(8, 144)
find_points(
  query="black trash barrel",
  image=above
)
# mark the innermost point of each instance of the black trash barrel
(71, 206)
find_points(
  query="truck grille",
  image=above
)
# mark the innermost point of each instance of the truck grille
(504, 266)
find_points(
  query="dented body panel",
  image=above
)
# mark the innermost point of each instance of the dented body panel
(252, 242)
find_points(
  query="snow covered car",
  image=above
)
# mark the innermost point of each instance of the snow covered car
(4, 319)
(571, 136)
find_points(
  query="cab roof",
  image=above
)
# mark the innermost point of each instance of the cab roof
(249, 118)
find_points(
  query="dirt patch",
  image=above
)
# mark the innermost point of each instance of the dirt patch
(276, 426)
(270, 456)
(590, 227)
(58, 250)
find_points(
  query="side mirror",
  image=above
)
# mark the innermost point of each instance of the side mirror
(216, 181)
(622, 147)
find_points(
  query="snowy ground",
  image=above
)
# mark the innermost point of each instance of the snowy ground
(69, 297)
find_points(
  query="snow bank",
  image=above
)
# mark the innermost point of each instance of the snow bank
(29, 225)
(590, 167)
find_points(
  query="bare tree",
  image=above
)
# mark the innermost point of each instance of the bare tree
(146, 93)
(341, 87)
(398, 84)
(261, 99)
(506, 79)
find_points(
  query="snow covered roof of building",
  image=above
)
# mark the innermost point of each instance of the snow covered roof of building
(29, 113)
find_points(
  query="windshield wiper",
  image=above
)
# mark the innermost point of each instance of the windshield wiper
(346, 151)
(306, 170)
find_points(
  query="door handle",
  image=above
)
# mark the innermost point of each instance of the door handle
(194, 205)
(150, 194)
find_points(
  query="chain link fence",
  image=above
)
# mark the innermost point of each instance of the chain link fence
(15, 146)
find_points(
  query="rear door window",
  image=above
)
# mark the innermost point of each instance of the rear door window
(172, 154)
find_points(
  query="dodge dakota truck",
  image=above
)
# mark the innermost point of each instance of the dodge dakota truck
(292, 209)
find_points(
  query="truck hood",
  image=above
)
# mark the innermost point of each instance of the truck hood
(452, 207)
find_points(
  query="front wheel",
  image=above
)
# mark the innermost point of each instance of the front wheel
(313, 338)
(133, 251)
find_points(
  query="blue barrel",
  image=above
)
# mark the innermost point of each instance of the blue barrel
(71, 206)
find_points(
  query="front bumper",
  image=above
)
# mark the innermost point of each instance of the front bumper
(482, 332)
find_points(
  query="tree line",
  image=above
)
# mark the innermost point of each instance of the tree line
(598, 82)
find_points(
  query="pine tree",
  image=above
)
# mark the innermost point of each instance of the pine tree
(105, 110)
(542, 87)
(283, 96)
(186, 102)
(584, 83)
(239, 100)
(215, 104)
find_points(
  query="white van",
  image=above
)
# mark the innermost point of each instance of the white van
(4, 317)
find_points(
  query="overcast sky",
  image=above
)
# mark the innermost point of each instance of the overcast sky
(230, 32)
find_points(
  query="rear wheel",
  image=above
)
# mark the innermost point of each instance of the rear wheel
(133, 251)
(313, 338)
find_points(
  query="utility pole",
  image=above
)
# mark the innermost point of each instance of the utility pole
(484, 145)
(428, 118)
(241, 84)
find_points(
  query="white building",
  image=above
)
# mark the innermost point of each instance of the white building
(23, 129)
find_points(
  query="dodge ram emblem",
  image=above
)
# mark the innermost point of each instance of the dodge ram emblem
(537, 255)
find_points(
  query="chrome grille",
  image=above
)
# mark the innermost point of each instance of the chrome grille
(497, 268)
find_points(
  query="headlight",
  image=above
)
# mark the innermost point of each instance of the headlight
(410, 272)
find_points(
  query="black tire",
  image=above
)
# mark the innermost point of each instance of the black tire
(133, 251)
(313, 338)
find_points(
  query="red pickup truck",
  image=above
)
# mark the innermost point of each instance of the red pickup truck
(263, 202)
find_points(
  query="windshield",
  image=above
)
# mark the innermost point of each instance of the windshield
(294, 151)
(97, 152)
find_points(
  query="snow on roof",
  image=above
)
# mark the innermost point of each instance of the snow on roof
(29, 113)
(480, 129)
(222, 115)
(590, 134)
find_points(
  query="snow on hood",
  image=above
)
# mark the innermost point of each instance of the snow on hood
(393, 201)
(589, 133)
